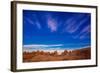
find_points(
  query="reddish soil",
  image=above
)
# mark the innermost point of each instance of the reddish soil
(38, 56)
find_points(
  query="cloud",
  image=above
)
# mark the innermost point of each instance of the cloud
(84, 33)
(29, 20)
(34, 22)
(70, 28)
(38, 24)
(71, 25)
(86, 29)
(55, 46)
(41, 45)
(83, 36)
(52, 24)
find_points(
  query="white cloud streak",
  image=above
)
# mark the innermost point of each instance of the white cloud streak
(40, 45)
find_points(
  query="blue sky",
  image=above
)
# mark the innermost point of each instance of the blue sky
(70, 29)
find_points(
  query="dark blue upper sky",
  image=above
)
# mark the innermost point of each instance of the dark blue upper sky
(48, 27)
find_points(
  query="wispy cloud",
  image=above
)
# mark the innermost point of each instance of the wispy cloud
(84, 36)
(29, 20)
(86, 29)
(52, 23)
(71, 25)
(84, 32)
(38, 24)
(36, 21)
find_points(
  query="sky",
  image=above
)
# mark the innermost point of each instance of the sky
(56, 29)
